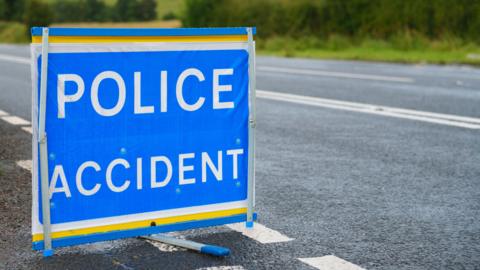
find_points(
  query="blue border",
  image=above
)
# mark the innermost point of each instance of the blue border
(118, 32)
(77, 240)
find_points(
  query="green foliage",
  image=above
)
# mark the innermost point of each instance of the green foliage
(98, 11)
(135, 10)
(80, 11)
(200, 13)
(169, 16)
(146, 10)
(37, 13)
(3, 10)
(68, 11)
(95, 11)
(13, 10)
(379, 19)
(124, 11)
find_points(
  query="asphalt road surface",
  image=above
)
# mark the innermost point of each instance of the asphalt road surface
(359, 165)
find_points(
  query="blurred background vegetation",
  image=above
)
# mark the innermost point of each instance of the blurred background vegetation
(437, 31)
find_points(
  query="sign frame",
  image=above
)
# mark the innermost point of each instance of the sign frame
(44, 35)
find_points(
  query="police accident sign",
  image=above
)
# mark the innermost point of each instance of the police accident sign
(147, 131)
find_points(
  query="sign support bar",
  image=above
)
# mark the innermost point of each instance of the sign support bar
(251, 129)
(42, 140)
(202, 248)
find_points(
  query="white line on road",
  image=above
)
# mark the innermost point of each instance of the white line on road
(27, 129)
(260, 233)
(15, 59)
(336, 74)
(15, 120)
(330, 262)
(437, 118)
(25, 164)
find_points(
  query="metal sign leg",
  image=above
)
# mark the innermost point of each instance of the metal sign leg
(202, 248)
(251, 129)
(42, 140)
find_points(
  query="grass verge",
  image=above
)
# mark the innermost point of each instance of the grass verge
(13, 32)
(400, 50)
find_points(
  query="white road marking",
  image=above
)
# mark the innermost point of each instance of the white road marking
(233, 267)
(260, 233)
(25, 164)
(15, 120)
(330, 262)
(437, 118)
(28, 129)
(336, 74)
(15, 59)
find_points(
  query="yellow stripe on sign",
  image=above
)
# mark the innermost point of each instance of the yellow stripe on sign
(143, 223)
(120, 39)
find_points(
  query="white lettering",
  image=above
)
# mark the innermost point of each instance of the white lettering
(217, 88)
(59, 173)
(217, 171)
(139, 173)
(87, 186)
(181, 101)
(61, 97)
(163, 91)
(235, 153)
(78, 178)
(153, 171)
(137, 96)
(182, 169)
(121, 93)
(115, 162)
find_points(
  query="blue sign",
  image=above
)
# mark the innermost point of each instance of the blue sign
(139, 136)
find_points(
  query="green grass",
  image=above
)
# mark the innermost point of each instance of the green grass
(366, 54)
(403, 50)
(13, 32)
(169, 6)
